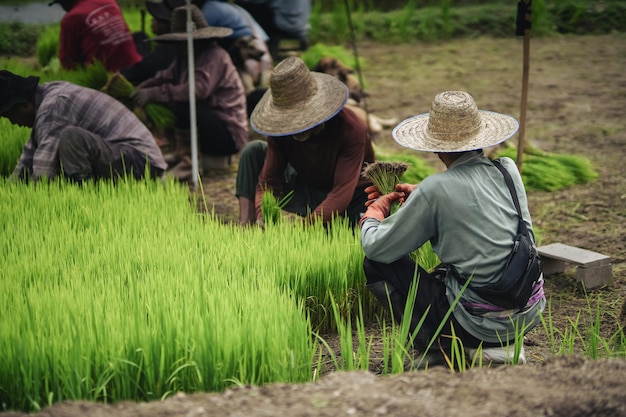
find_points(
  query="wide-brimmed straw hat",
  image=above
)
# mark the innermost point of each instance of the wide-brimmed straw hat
(454, 124)
(201, 30)
(297, 100)
(15, 89)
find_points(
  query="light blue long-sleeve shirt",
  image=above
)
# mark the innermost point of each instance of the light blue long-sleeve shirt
(467, 214)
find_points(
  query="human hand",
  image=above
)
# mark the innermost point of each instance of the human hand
(407, 189)
(372, 194)
(140, 96)
(380, 207)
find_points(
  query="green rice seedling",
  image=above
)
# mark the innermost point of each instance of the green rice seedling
(385, 175)
(417, 169)
(320, 50)
(350, 360)
(271, 207)
(13, 139)
(147, 311)
(425, 257)
(93, 75)
(159, 115)
(548, 172)
(47, 46)
(583, 332)
(155, 114)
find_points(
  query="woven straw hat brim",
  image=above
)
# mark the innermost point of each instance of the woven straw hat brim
(413, 133)
(270, 120)
(209, 32)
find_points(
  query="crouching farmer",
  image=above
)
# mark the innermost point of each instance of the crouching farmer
(77, 132)
(468, 214)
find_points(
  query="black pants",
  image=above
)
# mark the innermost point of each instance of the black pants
(430, 296)
(214, 138)
(84, 155)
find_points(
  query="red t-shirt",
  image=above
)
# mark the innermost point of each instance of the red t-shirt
(96, 30)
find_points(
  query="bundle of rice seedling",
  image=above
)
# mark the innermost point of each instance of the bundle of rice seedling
(162, 117)
(385, 175)
(544, 171)
(92, 76)
(118, 86)
(121, 89)
(153, 113)
(417, 168)
(271, 207)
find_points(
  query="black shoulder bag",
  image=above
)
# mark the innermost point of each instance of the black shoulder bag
(523, 268)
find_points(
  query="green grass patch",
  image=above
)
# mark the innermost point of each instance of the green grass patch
(544, 171)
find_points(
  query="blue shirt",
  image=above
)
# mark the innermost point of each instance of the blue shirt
(232, 16)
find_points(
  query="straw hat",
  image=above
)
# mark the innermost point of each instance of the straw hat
(201, 30)
(297, 100)
(454, 124)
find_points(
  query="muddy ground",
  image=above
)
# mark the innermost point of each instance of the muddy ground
(576, 105)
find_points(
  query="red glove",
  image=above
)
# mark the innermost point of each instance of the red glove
(379, 208)
(372, 194)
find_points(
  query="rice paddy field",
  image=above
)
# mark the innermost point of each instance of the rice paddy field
(145, 291)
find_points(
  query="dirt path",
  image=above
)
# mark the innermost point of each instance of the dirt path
(576, 105)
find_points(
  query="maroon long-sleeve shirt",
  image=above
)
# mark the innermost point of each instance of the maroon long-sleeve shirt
(96, 29)
(331, 160)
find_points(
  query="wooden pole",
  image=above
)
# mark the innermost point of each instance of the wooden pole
(523, 28)
(195, 171)
(357, 63)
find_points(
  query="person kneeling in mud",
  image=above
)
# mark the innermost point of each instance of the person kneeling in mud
(468, 214)
(315, 147)
(77, 132)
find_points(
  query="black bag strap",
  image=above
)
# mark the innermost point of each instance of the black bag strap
(509, 184)
(520, 225)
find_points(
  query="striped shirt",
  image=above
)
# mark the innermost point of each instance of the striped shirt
(60, 104)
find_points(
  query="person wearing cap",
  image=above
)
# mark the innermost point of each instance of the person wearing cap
(95, 30)
(78, 133)
(222, 122)
(468, 215)
(163, 54)
(315, 147)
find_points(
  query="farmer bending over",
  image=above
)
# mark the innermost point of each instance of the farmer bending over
(76, 132)
(95, 30)
(468, 215)
(222, 121)
(315, 147)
